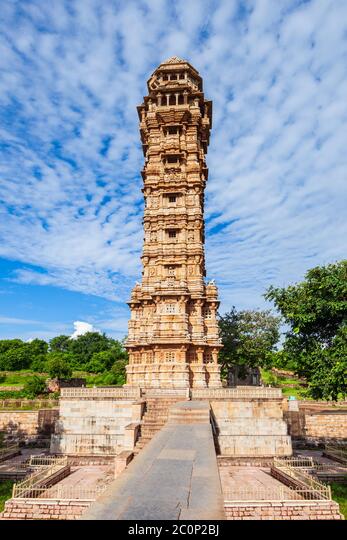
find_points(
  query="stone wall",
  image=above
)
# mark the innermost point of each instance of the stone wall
(250, 427)
(317, 428)
(96, 426)
(282, 510)
(47, 509)
(28, 426)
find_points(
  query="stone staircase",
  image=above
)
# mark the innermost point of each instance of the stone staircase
(190, 412)
(155, 417)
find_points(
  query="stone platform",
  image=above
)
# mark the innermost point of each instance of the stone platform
(174, 477)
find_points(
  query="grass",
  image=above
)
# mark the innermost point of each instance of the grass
(291, 386)
(5, 492)
(339, 494)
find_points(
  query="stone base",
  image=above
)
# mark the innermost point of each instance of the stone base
(174, 375)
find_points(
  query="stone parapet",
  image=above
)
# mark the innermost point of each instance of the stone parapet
(101, 393)
(247, 392)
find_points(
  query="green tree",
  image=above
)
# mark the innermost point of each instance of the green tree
(315, 311)
(59, 365)
(83, 347)
(7, 344)
(248, 338)
(38, 347)
(60, 344)
(38, 351)
(16, 358)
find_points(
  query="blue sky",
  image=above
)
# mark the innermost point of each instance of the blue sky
(71, 76)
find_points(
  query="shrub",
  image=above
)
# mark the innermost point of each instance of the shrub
(34, 387)
(118, 370)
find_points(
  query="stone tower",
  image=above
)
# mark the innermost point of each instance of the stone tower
(173, 339)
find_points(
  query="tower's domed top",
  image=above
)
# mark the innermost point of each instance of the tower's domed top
(174, 60)
(175, 73)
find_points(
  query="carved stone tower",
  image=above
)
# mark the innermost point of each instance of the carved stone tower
(173, 339)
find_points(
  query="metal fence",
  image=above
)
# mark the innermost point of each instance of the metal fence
(28, 487)
(47, 461)
(302, 462)
(61, 492)
(302, 475)
(282, 493)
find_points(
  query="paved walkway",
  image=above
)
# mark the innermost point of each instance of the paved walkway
(174, 477)
(252, 480)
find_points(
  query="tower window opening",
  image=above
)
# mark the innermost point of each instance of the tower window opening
(180, 99)
(181, 76)
(207, 313)
(170, 308)
(174, 77)
(173, 159)
(208, 357)
(172, 198)
(192, 357)
(172, 130)
(172, 100)
(165, 78)
(172, 233)
(170, 356)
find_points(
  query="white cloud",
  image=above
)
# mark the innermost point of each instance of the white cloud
(82, 328)
(71, 157)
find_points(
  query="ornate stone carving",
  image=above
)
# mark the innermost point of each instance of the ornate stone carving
(169, 313)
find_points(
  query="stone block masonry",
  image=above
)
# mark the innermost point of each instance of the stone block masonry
(28, 426)
(44, 509)
(97, 425)
(282, 510)
(317, 427)
(250, 427)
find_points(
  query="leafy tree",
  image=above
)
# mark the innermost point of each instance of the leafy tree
(60, 344)
(16, 358)
(59, 365)
(83, 347)
(103, 360)
(316, 343)
(96, 364)
(248, 338)
(34, 386)
(38, 364)
(38, 347)
(7, 344)
(38, 352)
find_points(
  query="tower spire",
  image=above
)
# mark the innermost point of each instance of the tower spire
(173, 339)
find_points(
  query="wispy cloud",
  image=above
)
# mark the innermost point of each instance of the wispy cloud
(72, 74)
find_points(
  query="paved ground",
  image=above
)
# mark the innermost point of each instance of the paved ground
(87, 477)
(254, 480)
(174, 477)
